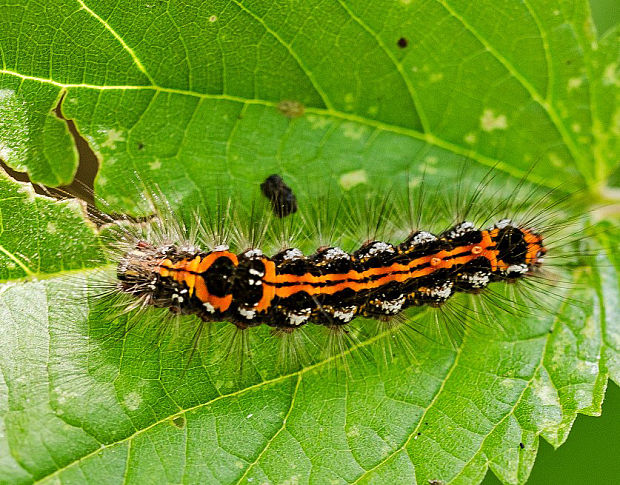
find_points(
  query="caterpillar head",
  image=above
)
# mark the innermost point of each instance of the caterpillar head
(520, 250)
(138, 267)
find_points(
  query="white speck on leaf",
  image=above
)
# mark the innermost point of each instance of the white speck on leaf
(490, 121)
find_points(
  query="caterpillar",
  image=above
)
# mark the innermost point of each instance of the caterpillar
(330, 287)
(243, 266)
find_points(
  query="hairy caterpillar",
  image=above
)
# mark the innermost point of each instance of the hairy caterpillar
(331, 286)
(244, 266)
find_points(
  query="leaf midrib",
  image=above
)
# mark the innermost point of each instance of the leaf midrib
(544, 102)
(429, 138)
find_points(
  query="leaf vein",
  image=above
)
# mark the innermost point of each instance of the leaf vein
(399, 67)
(289, 48)
(121, 41)
(547, 107)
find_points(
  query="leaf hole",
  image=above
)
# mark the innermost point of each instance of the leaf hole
(88, 166)
(88, 163)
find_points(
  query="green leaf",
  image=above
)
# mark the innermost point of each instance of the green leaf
(186, 95)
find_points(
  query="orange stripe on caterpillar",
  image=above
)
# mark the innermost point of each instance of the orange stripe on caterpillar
(189, 272)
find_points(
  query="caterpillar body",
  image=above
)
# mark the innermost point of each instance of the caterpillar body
(330, 287)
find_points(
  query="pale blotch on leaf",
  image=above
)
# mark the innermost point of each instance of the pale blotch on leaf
(430, 164)
(545, 392)
(555, 160)
(574, 83)
(5, 153)
(351, 179)
(51, 228)
(385, 449)
(213, 18)
(583, 398)
(490, 121)
(576, 127)
(590, 329)
(155, 165)
(470, 138)
(112, 136)
(415, 182)
(349, 102)
(507, 383)
(587, 367)
(435, 77)
(14, 131)
(291, 108)
(610, 75)
(294, 480)
(353, 131)
(28, 191)
(132, 401)
(318, 122)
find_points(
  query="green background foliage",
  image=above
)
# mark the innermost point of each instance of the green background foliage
(187, 95)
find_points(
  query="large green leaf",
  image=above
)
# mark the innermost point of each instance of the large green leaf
(187, 95)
